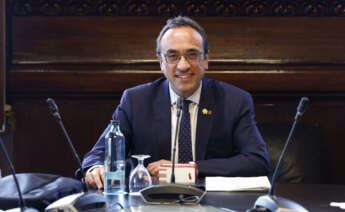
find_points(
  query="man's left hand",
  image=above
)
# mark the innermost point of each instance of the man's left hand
(153, 167)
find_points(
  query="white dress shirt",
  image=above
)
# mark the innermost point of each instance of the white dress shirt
(193, 110)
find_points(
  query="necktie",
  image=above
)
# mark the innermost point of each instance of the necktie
(184, 141)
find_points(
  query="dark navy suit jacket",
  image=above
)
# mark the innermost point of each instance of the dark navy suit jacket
(228, 142)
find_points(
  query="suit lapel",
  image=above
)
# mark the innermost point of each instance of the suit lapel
(162, 121)
(205, 119)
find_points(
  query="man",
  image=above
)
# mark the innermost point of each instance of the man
(223, 140)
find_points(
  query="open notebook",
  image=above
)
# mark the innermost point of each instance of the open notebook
(237, 183)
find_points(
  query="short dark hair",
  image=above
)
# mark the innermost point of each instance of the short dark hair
(180, 21)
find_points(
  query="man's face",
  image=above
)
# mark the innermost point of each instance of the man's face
(186, 73)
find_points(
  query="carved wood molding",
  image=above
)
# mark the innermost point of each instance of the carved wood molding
(37, 82)
(292, 8)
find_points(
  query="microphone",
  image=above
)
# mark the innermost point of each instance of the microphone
(173, 193)
(54, 110)
(22, 206)
(270, 202)
(302, 107)
(80, 201)
(177, 130)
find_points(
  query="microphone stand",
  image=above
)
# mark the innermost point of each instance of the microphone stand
(270, 201)
(22, 206)
(178, 114)
(80, 201)
(55, 113)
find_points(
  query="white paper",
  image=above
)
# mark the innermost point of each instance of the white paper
(338, 204)
(237, 183)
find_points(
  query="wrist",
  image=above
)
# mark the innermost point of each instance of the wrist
(93, 168)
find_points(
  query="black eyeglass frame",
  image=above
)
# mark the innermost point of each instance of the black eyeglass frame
(193, 56)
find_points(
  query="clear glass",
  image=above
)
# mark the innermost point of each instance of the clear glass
(139, 178)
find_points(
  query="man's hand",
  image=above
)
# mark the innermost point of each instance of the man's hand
(153, 167)
(95, 177)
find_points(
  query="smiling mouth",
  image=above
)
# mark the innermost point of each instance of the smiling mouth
(184, 76)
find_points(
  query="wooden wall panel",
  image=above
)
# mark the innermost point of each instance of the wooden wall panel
(84, 39)
(95, 53)
(130, 39)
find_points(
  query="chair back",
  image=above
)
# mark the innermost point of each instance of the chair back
(304, 161)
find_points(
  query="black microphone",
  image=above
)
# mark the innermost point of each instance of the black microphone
(22, 206)
(53, 108)
(80, 201)
(173, 193)
(271, 202)
(302, 107)
(177, 130)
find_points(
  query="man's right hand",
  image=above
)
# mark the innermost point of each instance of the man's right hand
(95, 177)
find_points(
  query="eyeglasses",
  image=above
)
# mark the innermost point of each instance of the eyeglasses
(190, 56)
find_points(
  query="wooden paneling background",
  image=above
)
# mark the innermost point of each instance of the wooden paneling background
(85, 61)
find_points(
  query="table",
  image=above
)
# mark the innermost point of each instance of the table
(314, 197)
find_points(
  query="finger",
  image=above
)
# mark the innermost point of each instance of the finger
(155, 180)
(97, 177)
(150, 170)
(102, 174)
(101, 177)
(89, 181)
(155, 170)
(151, 166)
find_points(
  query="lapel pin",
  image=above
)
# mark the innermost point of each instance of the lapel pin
(206, 112)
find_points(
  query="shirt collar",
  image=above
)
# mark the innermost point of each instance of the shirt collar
(195, 97)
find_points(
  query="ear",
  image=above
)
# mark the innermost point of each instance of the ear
(207, 56)
(161, 63)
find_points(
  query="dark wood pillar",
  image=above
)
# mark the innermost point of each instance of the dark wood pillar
(5, 135)
(2, 62)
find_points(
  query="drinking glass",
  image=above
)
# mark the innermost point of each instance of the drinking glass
(139, 178)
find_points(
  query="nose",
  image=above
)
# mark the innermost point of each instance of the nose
(183, 64)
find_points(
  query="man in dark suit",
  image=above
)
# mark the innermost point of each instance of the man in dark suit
(221, 137)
